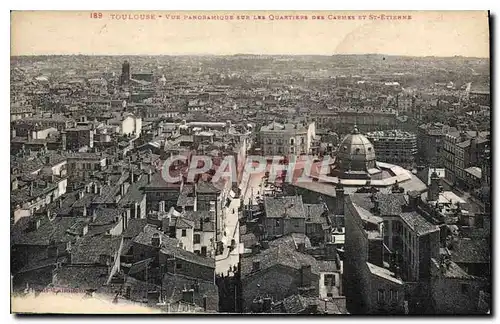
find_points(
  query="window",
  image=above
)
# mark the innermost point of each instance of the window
(329, 280)
(183, 233)
(196, 239)
(178, 265)
(380, 296)
(465, 288)
(292, 141)
(394, 295)
(277, 223)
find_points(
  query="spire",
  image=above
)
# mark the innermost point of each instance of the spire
(355, 130)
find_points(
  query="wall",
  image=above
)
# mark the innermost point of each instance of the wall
(385, 305)
(450, 297)
(187, 268)
(335, 290)
(187, 241)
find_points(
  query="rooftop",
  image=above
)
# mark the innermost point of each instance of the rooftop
(287, 206)
(90, 248)
(279, 255)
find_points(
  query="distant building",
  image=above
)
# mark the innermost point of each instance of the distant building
(78, 137)
(366, 119)
(394, 146)
(462, 151)
(430, 142)
(288, 138)
(125, 76)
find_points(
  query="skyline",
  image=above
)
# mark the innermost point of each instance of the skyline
(440, 34)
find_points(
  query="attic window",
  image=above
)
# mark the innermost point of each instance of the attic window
(369, 149)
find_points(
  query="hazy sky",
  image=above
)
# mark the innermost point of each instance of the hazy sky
(438, 33)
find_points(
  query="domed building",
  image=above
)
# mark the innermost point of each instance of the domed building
(355, 157)
(355, 169)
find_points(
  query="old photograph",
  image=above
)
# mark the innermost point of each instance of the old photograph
(250, 162)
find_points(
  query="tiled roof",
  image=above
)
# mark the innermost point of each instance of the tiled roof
(89, 249)
(135, 226)
(471, 251)
(389, 204)
(145, 236)
(48, 230)
(82, 277)
(291, 241)
(418, 223)
(174, 284)
(278, 255)
(182, 254)
(288, 206)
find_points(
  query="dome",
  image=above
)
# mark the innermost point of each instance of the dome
(356, 153)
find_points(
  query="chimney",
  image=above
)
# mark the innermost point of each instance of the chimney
(156, 240)
(131, 175)
(301, 247)
(339, 196)
(31, 189)
(305, 275)
(161, 206)
(99, 190)
(88, 188)
(94, 215)
(84, 213)
(122, 189)
(149, 176)
(136, 210)
(60, 201)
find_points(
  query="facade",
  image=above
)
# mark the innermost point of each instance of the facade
(365, 119)
(75, 138)
(394, 146)
(284, 215)
(462, 151)
(284, 139)
(430, 143)
(277, 273)
(393, 244)
(81, 165)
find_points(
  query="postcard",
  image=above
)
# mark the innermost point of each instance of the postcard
(250, 162)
